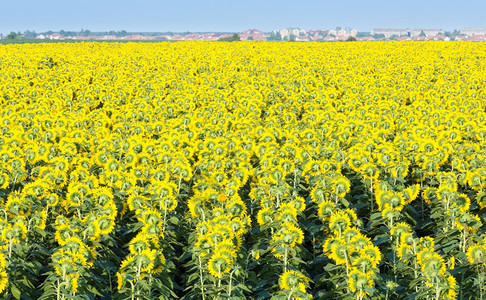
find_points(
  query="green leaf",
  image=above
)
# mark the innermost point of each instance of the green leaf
(15, 291)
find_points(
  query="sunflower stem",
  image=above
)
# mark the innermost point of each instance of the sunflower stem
(480, 280)
(58, 290)
(415, 263)
(437, 289)
(372, 194)
(463, 246)
(219, 275)
(285, 260)
(201, 277)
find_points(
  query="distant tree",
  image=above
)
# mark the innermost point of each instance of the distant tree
(121, 33)
(351, 39)
(62, 32)
(13, 36)
(393, 37)
(235, 37)
(250, 38)
(422, 33)
(30, 34)
(363, 34)
(85, 32)
(378, 36)
(275, 36)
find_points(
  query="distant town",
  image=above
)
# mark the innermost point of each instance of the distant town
(286, 34)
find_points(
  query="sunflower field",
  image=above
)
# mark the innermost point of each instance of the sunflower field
(249, 170)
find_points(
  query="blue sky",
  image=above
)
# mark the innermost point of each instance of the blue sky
(236, 16)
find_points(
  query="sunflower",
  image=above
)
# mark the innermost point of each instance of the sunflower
(105, 223)
(293, 280)
(340, 254)
(196, 207)
(396, 201)
(224, 229)
(433, 265)
(341, 186)
(369, 171)
(319, 194)
(373, 252)
(429, 194)
(365, 264)
(299, 203)
(137, 199)
(400, 228)
(360, 241)
(3, 280)
(143, 241)
(325, 209)
(146, 259)
(167, 203)
(339, 222)
(350, 233)
(406, 238)
(236, 206)
(424, 254)
(75, 244)
(426, 242)
(390, 214)
(4, 180)
(481, 199)
(265, 216)
(451, 288)
(238, 226)
(360, 282)
(411, 193)
(404, 251)
(467, 221)
(476, 254)
(287, 213)
(462, 201)
(291, 234)
(219, 265)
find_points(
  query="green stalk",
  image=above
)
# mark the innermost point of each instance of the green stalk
(201, 277)
(437, 289)
(480, 280)
(58, 292)
(372, 194)
(285, 259)
(230, 283)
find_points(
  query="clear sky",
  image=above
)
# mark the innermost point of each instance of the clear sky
(237, 16)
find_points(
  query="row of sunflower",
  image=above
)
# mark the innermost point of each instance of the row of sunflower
(218, 218)
(275, 192)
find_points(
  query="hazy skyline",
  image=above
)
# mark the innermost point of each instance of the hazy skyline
(237, 16)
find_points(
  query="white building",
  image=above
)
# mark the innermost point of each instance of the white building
(427, 32)
(388, 32)
(473, 31)
(286, 33)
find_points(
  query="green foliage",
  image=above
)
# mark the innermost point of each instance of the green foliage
(234, 38)
(274, 36)
(13, 36)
